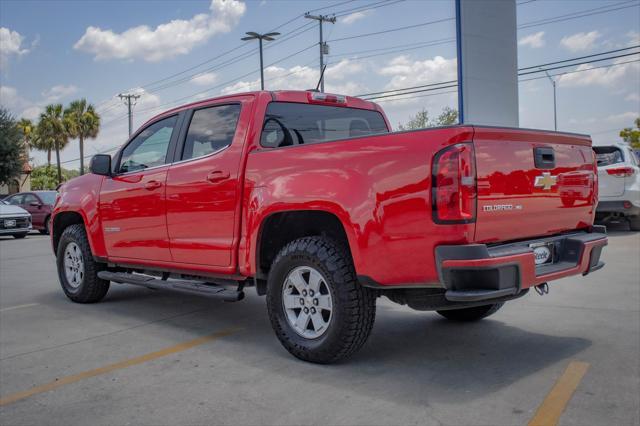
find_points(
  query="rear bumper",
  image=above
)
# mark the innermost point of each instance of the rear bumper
(625, 207)
(477, 272)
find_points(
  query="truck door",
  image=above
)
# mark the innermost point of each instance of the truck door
(203, 186)
(132, 203)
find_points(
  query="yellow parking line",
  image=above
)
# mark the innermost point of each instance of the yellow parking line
(9, 399)
(10, 308)
(557, 399)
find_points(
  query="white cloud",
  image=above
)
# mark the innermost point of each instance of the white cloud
(624, 117)
(634, 38)
(580, 41)
(533, 40)
(304, 77)
(59, 92)
(205, 79)
(177, 37)
(353, 17)
(10, 45)
(601, 76)
(632, 97)
(26, 108)
(405, 72)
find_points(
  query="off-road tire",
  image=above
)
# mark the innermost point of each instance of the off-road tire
(634, 223)
(471, 314)
(20, 236)
(354, 306)
(92, 289)
(45, 231)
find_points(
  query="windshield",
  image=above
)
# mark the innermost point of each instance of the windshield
(296, 123)
(48, 197)
(607, 155)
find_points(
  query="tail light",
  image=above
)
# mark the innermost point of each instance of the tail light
(327, 98)
(454, 192)
(621, 171)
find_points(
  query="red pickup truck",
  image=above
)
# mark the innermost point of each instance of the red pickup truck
(312, 200)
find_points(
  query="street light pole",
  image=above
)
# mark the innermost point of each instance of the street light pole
(251, 35)
(322, 44)
(555, 110)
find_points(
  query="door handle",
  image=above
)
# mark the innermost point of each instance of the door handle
(217, 176)
(152, 184)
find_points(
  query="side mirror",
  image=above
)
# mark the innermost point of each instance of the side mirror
(101, 165)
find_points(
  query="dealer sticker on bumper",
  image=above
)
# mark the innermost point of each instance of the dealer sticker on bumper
(542, 252)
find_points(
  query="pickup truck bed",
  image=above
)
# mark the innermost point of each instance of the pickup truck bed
(309, 198)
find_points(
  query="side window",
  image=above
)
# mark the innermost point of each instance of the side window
(210, 130)
(30, 198)
(16, 200)
(149, 148)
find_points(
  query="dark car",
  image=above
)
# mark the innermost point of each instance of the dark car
(39, 204)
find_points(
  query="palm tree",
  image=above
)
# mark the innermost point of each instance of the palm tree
(42, 142)
(52, 129)
(27, 129)
(83, 122)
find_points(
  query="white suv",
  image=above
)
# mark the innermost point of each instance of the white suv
(619, 184)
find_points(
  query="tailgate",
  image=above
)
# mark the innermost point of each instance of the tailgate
(532, 183)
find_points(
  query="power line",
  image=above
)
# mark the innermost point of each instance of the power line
(581, 57)
(406, 27)
(579, 14)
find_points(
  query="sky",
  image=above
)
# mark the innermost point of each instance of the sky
(175, 52)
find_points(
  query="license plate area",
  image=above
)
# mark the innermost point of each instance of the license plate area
(544, 253)
(10, 223)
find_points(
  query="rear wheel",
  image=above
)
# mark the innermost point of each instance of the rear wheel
(634, 223)
(77, 271)
(471, 314)
(318, 310)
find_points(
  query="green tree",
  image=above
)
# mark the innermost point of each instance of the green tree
(83, 122)
(27, 129)
(53, 130)
(448, 117)
(11, 148)
(45, 177)
(421, 120)
(42, 142)
(418, 121)
(632, 135)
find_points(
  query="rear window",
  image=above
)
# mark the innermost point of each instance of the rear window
(288, 124)
(607, 155)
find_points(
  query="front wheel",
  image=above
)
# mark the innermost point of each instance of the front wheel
(19, 236)
(318, 310)
(45, 231)
(77, 271)
(634, 223)
(471, 314)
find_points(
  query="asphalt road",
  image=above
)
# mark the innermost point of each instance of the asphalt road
(154, 358)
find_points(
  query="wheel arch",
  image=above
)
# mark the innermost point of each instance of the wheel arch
(280, 228)
(63, 220)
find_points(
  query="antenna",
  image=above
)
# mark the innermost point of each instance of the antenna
(321, 75)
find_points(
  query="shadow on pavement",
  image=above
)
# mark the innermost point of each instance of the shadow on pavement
(410, 357)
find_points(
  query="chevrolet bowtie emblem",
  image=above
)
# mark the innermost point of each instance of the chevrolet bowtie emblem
(546, 181)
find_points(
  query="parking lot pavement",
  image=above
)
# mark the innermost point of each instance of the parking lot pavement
(145, 357)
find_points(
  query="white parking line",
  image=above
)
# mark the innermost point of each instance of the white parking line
(11, 308)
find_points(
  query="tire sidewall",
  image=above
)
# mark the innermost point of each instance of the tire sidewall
(276, 281)
(65, 240)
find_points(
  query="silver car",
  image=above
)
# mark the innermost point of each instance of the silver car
(14, 220)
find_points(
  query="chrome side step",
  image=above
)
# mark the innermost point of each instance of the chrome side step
(197, 288)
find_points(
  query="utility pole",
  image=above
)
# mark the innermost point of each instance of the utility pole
(324, 47)
(130, 99)
(251, 35)
(555, 111)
